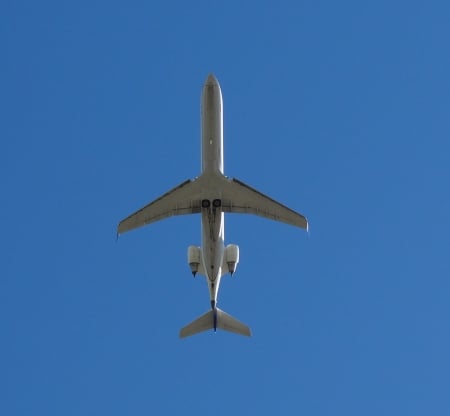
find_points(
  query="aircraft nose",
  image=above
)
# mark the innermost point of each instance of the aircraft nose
(211, 80)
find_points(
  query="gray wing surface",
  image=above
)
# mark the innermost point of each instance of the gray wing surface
(181, 200)
(237, 197)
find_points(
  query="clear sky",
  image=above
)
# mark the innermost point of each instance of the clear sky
(339, 109)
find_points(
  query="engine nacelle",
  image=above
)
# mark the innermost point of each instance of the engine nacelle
(232, 257)
(194, 255)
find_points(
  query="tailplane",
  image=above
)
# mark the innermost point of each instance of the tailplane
(214, 319)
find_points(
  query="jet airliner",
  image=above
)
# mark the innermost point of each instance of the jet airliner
(212, 194)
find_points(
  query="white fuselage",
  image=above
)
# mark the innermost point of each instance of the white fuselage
(212, 166)
(212, 194)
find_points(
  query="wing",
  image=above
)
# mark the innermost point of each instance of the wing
(183, 199)
(240, 198)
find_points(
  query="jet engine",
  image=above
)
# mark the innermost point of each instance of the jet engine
(193, 255)
(232, 257)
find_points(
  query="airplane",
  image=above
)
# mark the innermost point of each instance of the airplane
(212, 194)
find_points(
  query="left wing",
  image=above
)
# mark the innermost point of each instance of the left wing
(240, 198)
(183, 199)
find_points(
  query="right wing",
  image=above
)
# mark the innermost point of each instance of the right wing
(183, 199)
(240, 198)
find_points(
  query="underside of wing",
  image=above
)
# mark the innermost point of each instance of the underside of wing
(183, 199)
(237, 197)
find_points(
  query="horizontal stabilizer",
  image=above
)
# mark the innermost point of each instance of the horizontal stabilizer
(230, 324)
(205, 322)
(212, 320)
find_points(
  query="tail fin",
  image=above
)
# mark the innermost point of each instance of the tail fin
(214, 319)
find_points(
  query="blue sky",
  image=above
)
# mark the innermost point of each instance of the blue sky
(338, 109)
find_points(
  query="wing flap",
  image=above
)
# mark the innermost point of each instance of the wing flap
(181, 200)
(237, 197)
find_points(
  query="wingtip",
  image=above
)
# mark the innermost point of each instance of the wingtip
(118, 231)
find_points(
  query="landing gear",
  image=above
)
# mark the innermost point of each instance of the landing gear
(216, 203)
